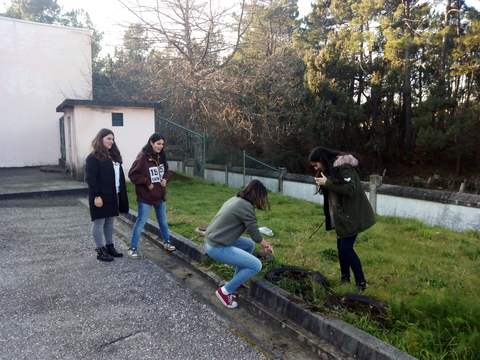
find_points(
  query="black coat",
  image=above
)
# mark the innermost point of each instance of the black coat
(100, 177)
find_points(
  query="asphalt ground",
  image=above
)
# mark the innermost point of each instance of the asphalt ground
(59, 302)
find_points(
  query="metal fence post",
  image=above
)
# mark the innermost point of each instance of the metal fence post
(228, 165)
(184, 163)
(244, 168)
(281, 172)
(204, 139)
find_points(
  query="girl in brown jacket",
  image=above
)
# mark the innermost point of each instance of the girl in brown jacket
(150, 174)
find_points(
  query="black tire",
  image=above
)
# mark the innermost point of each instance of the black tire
(278, 275)
(263, 256)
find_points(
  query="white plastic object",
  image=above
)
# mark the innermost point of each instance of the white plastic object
(265, 231)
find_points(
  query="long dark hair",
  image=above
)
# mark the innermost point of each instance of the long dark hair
(100, 152)
(256, 194)
(327, 157)
(148, 150)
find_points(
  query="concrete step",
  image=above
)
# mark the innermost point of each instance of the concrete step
(54, 169)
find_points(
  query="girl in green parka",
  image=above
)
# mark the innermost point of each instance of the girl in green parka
(346, 207)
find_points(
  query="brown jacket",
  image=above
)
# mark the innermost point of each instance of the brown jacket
(146, 170)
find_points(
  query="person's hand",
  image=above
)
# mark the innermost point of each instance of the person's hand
(98, 202)
(150, 187)
(163, 182)
(266, 247)
(320, 181)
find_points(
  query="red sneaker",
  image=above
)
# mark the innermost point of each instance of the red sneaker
(226, 299)
(243, 286)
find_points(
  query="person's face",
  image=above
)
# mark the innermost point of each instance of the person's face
(108, 141)
(157, 146)
(317, 165)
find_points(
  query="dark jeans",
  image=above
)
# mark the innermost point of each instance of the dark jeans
(349, 259)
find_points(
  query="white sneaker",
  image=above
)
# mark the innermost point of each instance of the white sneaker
(169, 247)
(133, 253)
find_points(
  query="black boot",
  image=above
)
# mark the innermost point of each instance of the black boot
(102, 255)
(112, 251)
(361, 286)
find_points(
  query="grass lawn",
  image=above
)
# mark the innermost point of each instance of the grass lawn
(428, 275)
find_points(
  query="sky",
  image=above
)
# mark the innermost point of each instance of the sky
(109, 15)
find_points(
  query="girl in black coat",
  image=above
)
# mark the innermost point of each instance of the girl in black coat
(107, 192)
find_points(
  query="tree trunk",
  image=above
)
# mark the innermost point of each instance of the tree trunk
(443, 55)
(407, 94)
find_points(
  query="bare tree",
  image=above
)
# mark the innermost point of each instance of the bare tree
(196, 38)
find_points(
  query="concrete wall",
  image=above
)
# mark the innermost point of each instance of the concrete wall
(451, 216)
(83, 123)
(454, 211)
(40, 66)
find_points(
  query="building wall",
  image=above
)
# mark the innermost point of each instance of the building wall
(40, 66)
(84, 122)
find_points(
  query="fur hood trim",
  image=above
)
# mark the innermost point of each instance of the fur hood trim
(345, 159)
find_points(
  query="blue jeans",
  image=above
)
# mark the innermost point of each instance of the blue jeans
(349, 259)
(239, 254)
(143, 214)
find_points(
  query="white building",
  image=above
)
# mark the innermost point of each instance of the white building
(40, 66)
(131, 123)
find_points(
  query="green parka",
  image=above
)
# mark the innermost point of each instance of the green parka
(347, 209)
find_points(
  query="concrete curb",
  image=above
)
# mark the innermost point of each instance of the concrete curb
(346, 337)
(328, 337)
(45, 193)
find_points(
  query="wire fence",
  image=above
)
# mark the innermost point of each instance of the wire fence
(197, 150)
